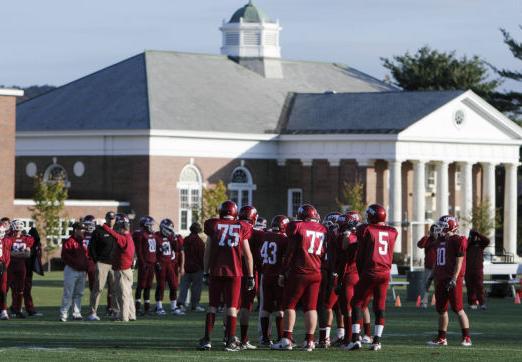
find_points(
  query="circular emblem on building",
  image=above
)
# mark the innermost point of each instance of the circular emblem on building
(78, 169)
(459, 117)
(31, 169)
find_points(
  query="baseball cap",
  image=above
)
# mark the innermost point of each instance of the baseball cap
(110, 215)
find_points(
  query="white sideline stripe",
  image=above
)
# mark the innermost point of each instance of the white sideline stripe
(99, 203)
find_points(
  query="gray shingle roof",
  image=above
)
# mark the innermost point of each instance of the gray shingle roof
(384, 112)
(181, 91)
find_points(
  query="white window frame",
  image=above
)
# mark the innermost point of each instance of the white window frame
(290, 208)
(189, 186)
(240, 187)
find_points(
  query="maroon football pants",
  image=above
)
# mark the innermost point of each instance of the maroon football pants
(475, 287)
(166, 275)
(16, 276)
(3, 291)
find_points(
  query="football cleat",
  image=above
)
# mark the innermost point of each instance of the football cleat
(473, 307)
(466, 342)
(265, 342)
(483, 307)
(177, 311)
(77, 317)
(34, 313)
(199, 309)
(375, 346)
(204, 344)
(247, 345)
(308, 346)
(161, 312)
(338, 341)
(20, 315)
(93, 317)
(324, 343)
(366, 340)
(4, 316)
(438, 342)
(353, 346)
(63, 318)
(284, 344)
(233, 345)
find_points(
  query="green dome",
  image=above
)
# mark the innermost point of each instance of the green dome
(249, 13)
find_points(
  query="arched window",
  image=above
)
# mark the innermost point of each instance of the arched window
(189, 186)
(241, 186)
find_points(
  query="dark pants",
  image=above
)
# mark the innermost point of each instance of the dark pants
(475, 287)
(193, 281)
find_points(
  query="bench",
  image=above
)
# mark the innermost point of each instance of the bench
(394, 272)
(511, 270)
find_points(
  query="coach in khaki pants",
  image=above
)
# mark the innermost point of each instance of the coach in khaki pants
(122, 263)
(101, 249)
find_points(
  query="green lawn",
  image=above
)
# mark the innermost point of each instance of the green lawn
(497, 335)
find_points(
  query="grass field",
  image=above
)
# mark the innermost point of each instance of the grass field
(496, 333)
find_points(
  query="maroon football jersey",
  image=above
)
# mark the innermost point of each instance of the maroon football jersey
(146, 246)
(255, 242)
(430, 252)
(272, 251)
(375, 254)
(226, 238)
(306, 247)
(349, 255)
(18, 244)
(448, 250)
(5, 250)
(167, 247)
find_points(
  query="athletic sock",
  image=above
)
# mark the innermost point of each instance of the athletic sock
(265, 321)
(356, 331)
(327, 331)
(340, 333)
(231, 327)
(322, 334)
(378, 333)
(288, 335)
(465, 332)
(173, 304)
(309, 337)
(367, 329)
(442, 335)
(244, 333)
(209, 324)
(279, 327)
(159, 305)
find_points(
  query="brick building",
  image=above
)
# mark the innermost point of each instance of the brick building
(147, 134)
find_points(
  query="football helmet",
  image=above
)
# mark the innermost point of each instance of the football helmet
(308, 212)
(331, 217)
(167, 227)
(248, 213)
(228, 210)
(89, 223)
(261, 223)
(279, 223)
(17, 225)
(147, 224)
(448, 224)
(375, 214)
(351, 219)
(121, 221)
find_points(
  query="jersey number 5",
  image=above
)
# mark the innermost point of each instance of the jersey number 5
(312, 235)
(383, 242)
(229, 235)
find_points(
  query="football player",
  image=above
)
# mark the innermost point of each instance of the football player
(89, 225)
(374, 260)
(475, 269)
(146, 250)
(272, 251)
(248, 215)
(168, 268)
(449, 271)
(430, 253)
(347, 268)
(226, 247)
(301, 274)
(327, 298)
(20, 252)
(5, 259)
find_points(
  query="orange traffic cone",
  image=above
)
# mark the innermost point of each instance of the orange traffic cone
(418, 304)
(433, 300)
(517, 298)
(398, 301)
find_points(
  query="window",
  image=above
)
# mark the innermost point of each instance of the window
(54, 173)
(241, 187)
(458, 178)
(295, 199)
(431, 178)
(189, 186)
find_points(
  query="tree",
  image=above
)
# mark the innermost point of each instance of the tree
(430, 69)
(212, 199)
(353, 197)
(49, 198)
(479, 218)
(510, 102)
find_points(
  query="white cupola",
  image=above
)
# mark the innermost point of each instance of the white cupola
(250, 34)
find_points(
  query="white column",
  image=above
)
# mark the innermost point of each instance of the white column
(442, 196)
(510, 209)
(395, 203)
(466, 203)
(488, 179)
(419, 209)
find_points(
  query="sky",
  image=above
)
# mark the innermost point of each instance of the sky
(57, 41)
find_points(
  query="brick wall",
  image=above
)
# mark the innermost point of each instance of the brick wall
(7, 158)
